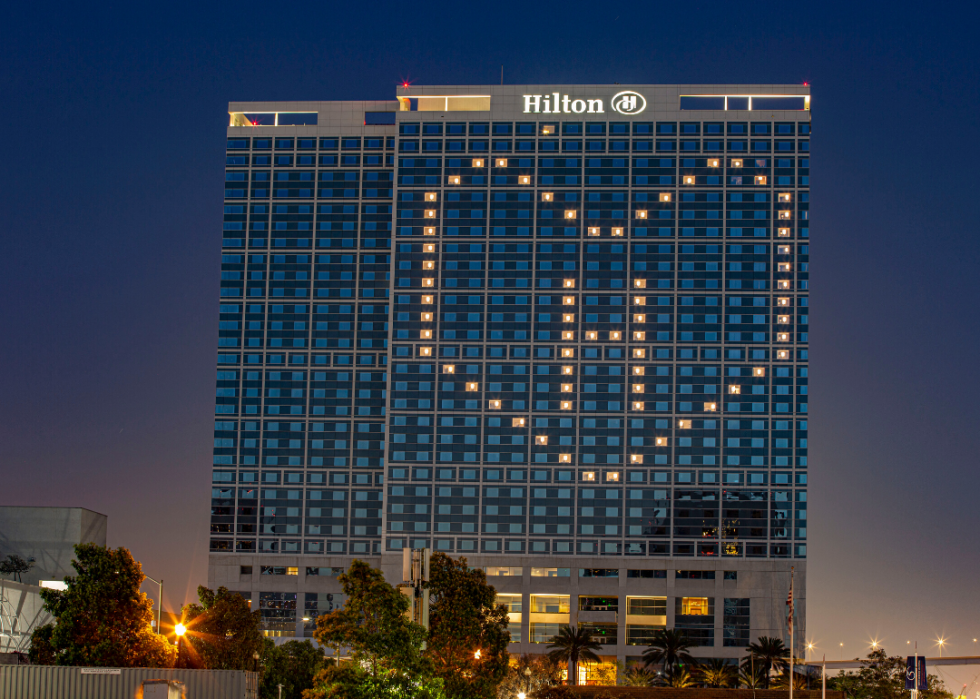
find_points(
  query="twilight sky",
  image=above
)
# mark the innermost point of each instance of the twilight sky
(110, 223)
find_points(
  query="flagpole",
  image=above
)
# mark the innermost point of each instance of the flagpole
(792, 647)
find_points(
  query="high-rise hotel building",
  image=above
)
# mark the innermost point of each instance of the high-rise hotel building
(560, 330)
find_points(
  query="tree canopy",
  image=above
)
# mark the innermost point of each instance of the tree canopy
(15, 566)
(101, 619)
(222, 633)
(570, 645)
(670, 647)
(771, 654)
(883, 677)
(293, 665)
(463, 619)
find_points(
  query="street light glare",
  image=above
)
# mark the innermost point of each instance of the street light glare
(521, 695)
(180, 629)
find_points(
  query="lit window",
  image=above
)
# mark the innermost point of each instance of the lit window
(426, 317)
(588, 476)
(454, 179)
(292, 570)
(449, 369)
(782, 319)
(639, 318)
(694, 606)
(428, 264)
(571, 213)
(638, 405)
(639, 335)
(426, 299)
(426, 335)
(640, 283)
(736, 163)
(567, 352)
(784, 249)
(615, 335)
(684, 424)
(566, 405)
(783, 284)
(785, 267)
(477, 162)
(568, 317)
(641, 213)
(639, 371)
(523, 179)
(782, 301)
(566, 388)
(431, 196)
(517, 422)
(428, 281)
(664, 196)
(568, 300)
(612, 476)
(734, 390)
(541, 439)
(785, 215)
(759, 371)
(782, 354)
(639, 353)
(425, 351)
(429, 248)
(569, 283)
(565, 458)
(430, 213)
(760, 179)
(501, 162)
(495, 405)
(784, 232)
(638, 388)
(430, 230)
(713, 162)
(591, 335)
(639, 301)
(593, 231)
(617, 232)
(661, 441)
(472, 386)
(785, 197)
(710, 407)
(782, 337)
(688, 179)
(567, 370)
(547, 196)
(547, 130)
(636, 458)
(568, 335)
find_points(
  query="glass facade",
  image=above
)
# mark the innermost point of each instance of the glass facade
(503, 334)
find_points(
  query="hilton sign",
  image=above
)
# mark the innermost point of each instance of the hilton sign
(627, 103)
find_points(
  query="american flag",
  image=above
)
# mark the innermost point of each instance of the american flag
(789, 604)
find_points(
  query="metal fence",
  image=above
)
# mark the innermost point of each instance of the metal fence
(55, 682)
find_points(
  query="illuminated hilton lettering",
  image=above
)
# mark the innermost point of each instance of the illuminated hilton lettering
(556, 103)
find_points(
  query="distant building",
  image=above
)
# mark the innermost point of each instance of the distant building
(47, 536)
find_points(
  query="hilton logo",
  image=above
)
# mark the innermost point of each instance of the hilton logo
(627, 103)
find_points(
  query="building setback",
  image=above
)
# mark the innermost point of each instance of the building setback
(559, 330)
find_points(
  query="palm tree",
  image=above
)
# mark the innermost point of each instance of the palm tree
(639, 676)
(782, 680)
(717, 673)
(669, 647)
(771, 653)
(572, 645)
(750, 674)
(679, 677)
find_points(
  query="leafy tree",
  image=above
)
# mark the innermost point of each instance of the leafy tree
(102, 619)
(572, 645)
(717, 673)
(384, 646)
(771, 653)
(883, 677)
(222, 632)
(15, 566)
(294, 664)
(41, 652)
(558, 692)
(464, 620)
(669, 647)
(528, 674)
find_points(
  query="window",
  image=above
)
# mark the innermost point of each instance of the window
(694, 606)
(598, 572)
(477, 162)
(550, 572)
(547, 196)
(517, 422)
(571, 214)
(504, 571)
(449, 368)
(453, 179)
(598, 604)
(641, 213)
(588, 476)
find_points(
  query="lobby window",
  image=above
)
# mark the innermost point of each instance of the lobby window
(694, 606)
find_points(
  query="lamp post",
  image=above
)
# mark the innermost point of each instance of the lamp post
(160, 598)
(255, 661)
(841, 651)
(180, 630)
(941, 642)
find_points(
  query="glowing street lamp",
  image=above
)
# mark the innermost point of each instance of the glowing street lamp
(180, 630)
(477, 654)
(941, 642)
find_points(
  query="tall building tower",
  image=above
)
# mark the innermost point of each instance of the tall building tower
(559, 330)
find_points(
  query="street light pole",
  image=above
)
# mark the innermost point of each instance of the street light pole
(160, 599)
